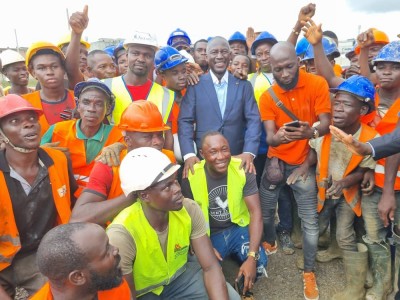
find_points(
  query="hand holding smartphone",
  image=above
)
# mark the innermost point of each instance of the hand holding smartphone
(295, 123)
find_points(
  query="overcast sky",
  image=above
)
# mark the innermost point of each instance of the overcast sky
(47, 19)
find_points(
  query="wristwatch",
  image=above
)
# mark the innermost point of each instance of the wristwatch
(315, 132)
(253, 254)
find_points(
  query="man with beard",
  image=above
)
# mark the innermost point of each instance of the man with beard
(220, 102)
(135, 83)
(36, 188)
(80, 263)
(307, 97)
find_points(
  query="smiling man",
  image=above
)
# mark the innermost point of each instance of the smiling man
(36, 187)
(84, 138)
(230, 203)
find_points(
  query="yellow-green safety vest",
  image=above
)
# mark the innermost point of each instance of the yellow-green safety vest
(236, 181)
(260, 83)
(151, 271)
(159, 95)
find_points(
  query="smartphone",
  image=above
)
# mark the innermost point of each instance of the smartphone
(295, 123)
(239, 285)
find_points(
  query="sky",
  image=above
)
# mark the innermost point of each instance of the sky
(32, 21)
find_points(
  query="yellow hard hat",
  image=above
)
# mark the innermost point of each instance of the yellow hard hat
(35, 47)
(66, 39)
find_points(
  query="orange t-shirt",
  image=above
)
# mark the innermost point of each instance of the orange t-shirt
(121, 292)
(337, 69)
(307, 100)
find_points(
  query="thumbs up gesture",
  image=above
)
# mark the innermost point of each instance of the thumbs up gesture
(79, 20)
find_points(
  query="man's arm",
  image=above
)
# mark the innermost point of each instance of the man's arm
(306, 12)
(248, 268)
(78, 22)
(94, 208)
(387, 144)
(214, 279)
(131, 284)
(253, 121)
(313, 33)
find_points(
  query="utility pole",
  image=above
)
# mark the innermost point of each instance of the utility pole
(69, 27)
(16, 39)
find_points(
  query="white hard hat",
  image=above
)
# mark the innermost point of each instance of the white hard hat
(142, 38)
(177, 148)
(144, 167)
(9, 57)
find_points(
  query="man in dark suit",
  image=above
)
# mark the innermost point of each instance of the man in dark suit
(220, 102)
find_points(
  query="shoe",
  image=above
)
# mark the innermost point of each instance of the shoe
(268, 248)
(310, 286)
(247, 296)
(286, 242)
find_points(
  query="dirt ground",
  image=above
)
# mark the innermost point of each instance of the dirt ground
(284, 280)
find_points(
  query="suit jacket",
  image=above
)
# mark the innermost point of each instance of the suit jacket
(387, 144)
(241, 124)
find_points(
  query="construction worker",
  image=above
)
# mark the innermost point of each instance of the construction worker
(230, 203)
(179, 39)
(142, 126)
(340, 177)
(15, 70)
(84, 138)
(384, 119)
(154, 234)
(46, 63)
(100, 64)
(80, 263)
(237, 43)
(135, 85)
(120, 58)
(36, 192)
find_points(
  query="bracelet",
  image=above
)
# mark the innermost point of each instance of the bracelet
(295, 32)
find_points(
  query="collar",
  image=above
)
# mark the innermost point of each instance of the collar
(300, 83)
(224, 78)
(43, 157)
(99, 136)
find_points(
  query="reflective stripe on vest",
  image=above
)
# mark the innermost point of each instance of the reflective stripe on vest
(260, 83)
(385, 126)
(159, 95)
(151, 269)
(236, 181)
(10, 243)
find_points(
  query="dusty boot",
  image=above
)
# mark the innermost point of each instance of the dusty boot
(369, 280)
(379, 257)
(355, 266)
(331, 253)
(297, 234)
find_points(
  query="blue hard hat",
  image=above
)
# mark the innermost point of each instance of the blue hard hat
(168, 57)
(329, 46)
(110, 50)
(263, 37)
(360, 87)
(237, 37)
(301, 46)
(118, 48)
(389, 53)
(178, 32)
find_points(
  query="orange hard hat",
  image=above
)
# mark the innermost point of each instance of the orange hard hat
(379, 36)
(142, 116)
(13, 103)
(35, 47)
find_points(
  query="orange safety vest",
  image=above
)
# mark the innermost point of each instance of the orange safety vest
(115, 189)
(351, 194)
(387, 125)
(65, 133)
(10, 243)
(36, 101)
(121, 292)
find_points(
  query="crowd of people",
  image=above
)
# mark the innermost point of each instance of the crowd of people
(134, 171)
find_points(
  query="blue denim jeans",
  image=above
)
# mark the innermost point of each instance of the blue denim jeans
(345, 234)
(285, 210)
(305, 194)
(235, 240)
